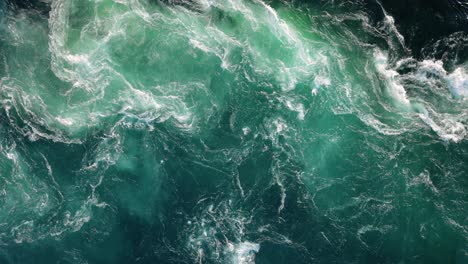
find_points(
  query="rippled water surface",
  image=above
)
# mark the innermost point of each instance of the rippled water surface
(232, 131)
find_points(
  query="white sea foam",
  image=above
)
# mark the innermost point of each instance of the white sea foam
(296, 107)
(322, 81)
(458, 81)
(382, 128)
(244, 253)
(280, 125)
(389, 26)
(23, 232)
(65, 120)
(432, 66)
(430, 72)
(395, 89)
(446, 127)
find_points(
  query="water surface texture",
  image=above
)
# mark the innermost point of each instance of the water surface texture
(233, 131)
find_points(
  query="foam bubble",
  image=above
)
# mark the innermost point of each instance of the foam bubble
(395, 89)
(458, 81)
(244, 253)
(65, 121)
(322, 81)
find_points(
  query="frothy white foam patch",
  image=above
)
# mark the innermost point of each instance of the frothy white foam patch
(395, 89)
(244, 253)
(296, 107)
(382, 128)
(390, 23)
(322, 81)
(389, 26)
(458, 81)
(446, 128)
(280, 125)
(430, 72)
(205, 4)
(83, 58)
(199, 45)
(431, 66)
(65, 121)
(23, 232)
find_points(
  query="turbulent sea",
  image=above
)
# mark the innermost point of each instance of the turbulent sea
(233, 131)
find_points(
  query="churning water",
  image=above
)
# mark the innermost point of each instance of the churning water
(230, 131)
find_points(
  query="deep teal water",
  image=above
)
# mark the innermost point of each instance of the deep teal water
(230, 131)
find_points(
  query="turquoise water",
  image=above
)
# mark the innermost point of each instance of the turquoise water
(228, 131)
